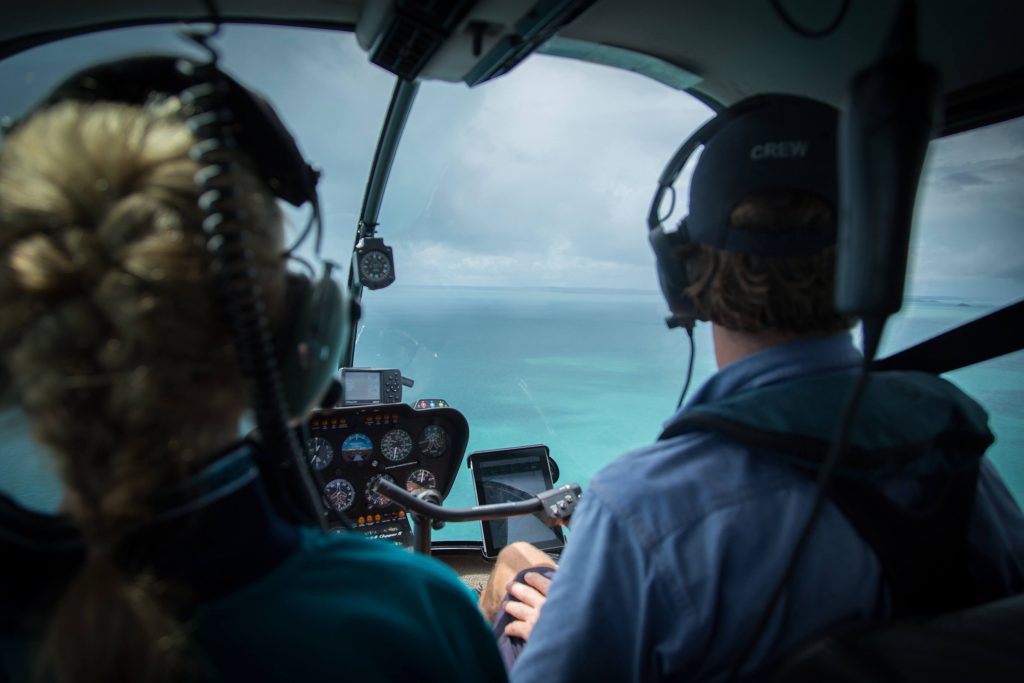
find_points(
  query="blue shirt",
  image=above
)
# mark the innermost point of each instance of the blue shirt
(677, 546)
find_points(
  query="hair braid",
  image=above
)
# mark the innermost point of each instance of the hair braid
(111, 335)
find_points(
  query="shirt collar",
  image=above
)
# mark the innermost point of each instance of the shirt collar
(778, 363)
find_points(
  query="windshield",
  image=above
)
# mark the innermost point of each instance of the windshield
(526, 294)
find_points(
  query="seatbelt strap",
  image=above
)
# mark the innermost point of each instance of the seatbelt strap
(923, 552)
(988, 337)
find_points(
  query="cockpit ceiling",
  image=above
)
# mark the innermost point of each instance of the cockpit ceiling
(736, 48)
(742, 47)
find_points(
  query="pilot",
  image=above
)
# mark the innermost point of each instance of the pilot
(676, 547)
(112, 335)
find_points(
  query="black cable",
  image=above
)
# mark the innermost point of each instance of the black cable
(240, 291)
(837, 450)
(689, 369)
(305, 264)
(314, 217)
(214, 12)
(807, 32)
(671, 206)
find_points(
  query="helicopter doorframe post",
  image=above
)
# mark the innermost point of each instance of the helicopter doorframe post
(402, 98)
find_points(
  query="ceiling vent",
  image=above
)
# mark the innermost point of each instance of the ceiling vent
(532, 30)
(412, 31)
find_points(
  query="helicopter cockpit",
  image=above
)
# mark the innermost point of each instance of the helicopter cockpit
(486, 169)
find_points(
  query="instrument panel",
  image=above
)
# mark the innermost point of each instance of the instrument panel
(350, 448)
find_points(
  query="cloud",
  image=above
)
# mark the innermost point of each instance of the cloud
(542, 176)
(960, 179)
(969, 230)
(424, 263)
(556, 158)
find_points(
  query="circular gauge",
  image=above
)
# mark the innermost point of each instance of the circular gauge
(339, 494)
(375, 499)
(434, 441)
(420, 479)
(319, 452)
(396, 445)
(374, 266)
(357, 448)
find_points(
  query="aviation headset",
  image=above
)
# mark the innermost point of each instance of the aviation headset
(771, 142)
(310, 335)
(289, 370)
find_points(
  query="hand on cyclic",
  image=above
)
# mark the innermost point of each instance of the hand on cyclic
(531, 596)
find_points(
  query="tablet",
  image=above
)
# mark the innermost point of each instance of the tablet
(508, 475)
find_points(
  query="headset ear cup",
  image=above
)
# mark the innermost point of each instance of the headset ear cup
(309, 340)
(672, 273)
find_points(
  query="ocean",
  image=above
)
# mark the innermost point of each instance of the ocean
(595, 373)
(590, 373)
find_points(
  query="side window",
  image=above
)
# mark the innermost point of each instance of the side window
(967, 260)
(329, 96)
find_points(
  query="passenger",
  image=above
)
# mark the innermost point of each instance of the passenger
(112, 333)
(677, 546)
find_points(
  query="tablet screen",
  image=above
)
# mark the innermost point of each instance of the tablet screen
(510, 475)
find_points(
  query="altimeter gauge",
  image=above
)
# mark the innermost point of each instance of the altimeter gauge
(396, 445)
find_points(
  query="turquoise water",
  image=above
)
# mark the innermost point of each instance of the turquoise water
(590, 373)
(593, 374)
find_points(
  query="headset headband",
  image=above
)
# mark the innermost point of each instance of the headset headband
(258, 130)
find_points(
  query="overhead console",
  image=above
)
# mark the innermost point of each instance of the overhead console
(351, 448)
(459, 40)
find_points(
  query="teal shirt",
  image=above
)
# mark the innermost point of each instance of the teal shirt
(347, 608)
(274, 602)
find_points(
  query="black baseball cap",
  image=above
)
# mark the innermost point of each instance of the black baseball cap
(763, 144)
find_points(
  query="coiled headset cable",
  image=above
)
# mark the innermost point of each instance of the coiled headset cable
(211, 123)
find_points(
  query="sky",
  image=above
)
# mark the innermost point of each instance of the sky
(543, 177)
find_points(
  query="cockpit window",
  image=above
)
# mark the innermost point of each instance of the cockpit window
(320, 82)
(967, 261)
(526, 294)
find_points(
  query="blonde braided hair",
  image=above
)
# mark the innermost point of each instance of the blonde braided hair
(112, 336)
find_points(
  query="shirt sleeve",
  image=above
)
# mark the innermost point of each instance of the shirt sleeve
(606, 613)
